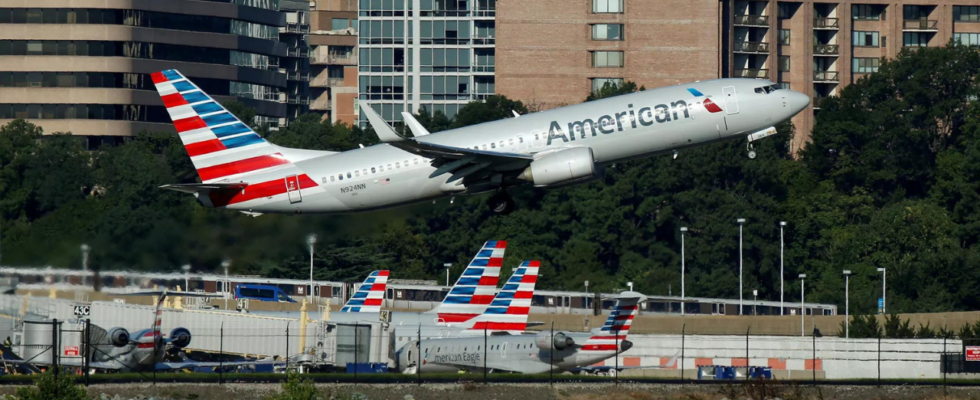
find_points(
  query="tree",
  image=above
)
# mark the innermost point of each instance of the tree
(610, 89)
(295, 387)
(48, 386)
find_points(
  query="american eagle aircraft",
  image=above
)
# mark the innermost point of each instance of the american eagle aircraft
(240, 170)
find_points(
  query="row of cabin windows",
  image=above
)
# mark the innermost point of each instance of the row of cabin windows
(373, 170)
(478, 348)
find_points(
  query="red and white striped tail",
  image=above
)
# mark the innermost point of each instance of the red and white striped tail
(509, 309)
(223, 149)
(369, 296)
(476, 287)
(617, 326)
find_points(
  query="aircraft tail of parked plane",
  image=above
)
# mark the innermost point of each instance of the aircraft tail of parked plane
(228, 155)
(509, 310)
(612, 334)
(475, 288)
(369, 296)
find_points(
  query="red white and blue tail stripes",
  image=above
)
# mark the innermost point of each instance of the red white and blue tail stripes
(223, 148)
(617, 325)
(509, 309)
(475, 288)
(369, 296)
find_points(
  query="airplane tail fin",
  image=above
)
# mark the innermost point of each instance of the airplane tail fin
(158, 323)
(509, 309)
(369, 296)
(222, 148)
(618, 324)
(476, 287)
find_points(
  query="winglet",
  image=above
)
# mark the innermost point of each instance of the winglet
(385, 133)
(516, 115)
(414, 125)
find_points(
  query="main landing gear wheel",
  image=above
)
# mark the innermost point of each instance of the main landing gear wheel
(501, 203)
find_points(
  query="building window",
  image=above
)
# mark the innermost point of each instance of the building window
(784, 85)
(967, 39)
(607, 6)
(915, 39)
(784, 63)
(785, 10)
(610, 59)
(865, 39)
(599, 83)
(914, 12)
(784, 37)
(865, 65)
(607, 32)
(339, 24)
(866, 12)
(966, 13)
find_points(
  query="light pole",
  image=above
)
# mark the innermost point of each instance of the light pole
(741, 221)
(630, 284)
(847, 303)
(882, 270)
(755, 299)
(586, 286)
(802, 307)
(447, 265)
(85, 249)
(225, 264)
(311, 240)
(683, 230)
(782, 224)
(187, 279)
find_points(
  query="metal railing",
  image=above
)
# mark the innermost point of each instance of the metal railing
(752, 20)
(298, 52)
(826, 49)
(484, 41)
(825, 23)
(322, 103)
(295, 28)
(298, 76)
(752, 47)
(825, 76)
(920, 24)
(485, 12)
(752, 73)
(297, 100)
(483, 68)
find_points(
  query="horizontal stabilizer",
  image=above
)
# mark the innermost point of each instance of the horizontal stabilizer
(165, 293)
(205, 187)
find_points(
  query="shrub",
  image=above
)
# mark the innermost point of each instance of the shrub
(48, 387)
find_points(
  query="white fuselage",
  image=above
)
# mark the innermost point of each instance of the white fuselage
(622, 128)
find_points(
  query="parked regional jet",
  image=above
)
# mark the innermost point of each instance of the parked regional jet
(468, 298)
(528, 353)
(241, 171)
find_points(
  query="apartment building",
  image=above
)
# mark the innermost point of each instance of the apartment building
(83, 65)
(432, 54)
(333, 60)
(554, 52)
(296, 64)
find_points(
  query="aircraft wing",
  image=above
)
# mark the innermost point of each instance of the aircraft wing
(195, 364)
(461, 162)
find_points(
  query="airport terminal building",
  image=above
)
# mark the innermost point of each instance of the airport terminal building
(83, 66)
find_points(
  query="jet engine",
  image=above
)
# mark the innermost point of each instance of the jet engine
(560, 341)
(180, 337)
(563, 167)
(119, 337)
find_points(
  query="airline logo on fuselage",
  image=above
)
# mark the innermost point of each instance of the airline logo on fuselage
(646, 116)
(459, 357)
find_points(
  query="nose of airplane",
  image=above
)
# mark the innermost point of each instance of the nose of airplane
(797, 101)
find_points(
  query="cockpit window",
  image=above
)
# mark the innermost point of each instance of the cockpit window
(767, 89)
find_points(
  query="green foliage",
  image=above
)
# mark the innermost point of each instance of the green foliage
(862, 327)
(48, 387)
(295, 387)
(610, 89)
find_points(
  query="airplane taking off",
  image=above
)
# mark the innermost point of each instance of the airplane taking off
(527, 353)
(240, 170)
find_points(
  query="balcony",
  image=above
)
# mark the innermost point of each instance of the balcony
(483, 68)
(298, 52)
(826, 23)
(752, 73)
(319, 58)
(297, 100)
(825, 49)
(922, 25)
(487, 41)
(825, 76)
(480, 12)
(265, 96)
(323, 80)
(297, 76)
(752, 20)
(295, 28)
(322, 103)
(751, 47)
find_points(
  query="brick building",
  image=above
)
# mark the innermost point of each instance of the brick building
(554, 52)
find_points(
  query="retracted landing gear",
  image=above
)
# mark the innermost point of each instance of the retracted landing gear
(501, 203)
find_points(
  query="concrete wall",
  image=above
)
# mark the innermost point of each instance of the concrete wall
(794, 357)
